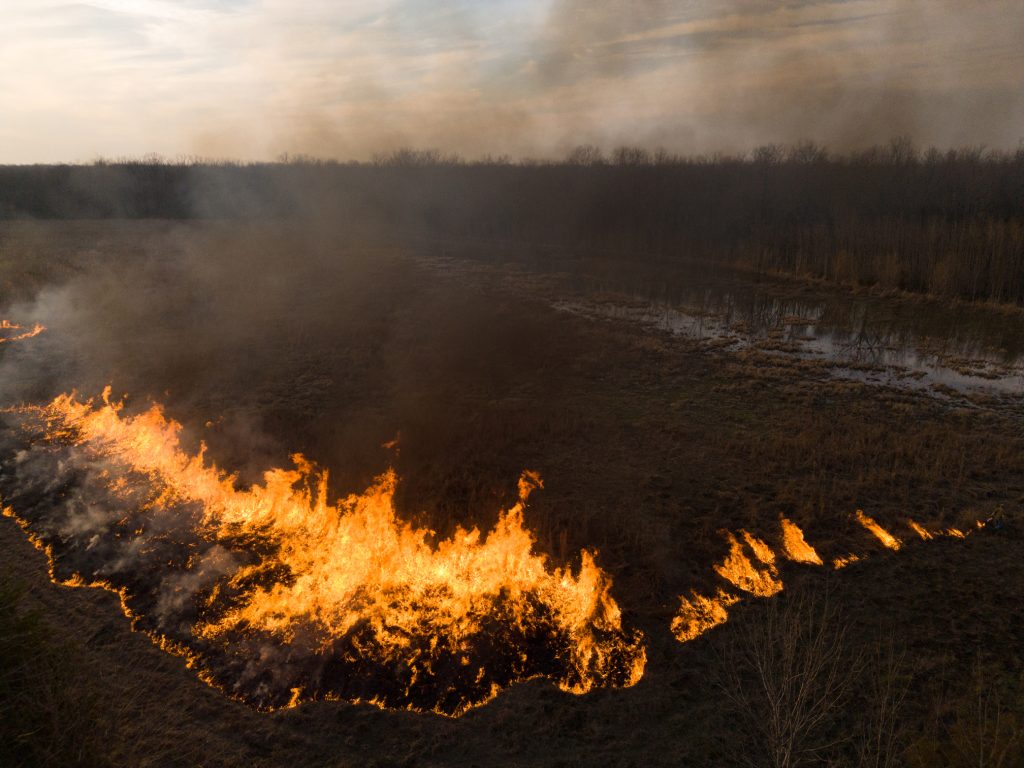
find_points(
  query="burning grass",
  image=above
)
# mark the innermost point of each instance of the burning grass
(750, 567)
(11, 332)
(278, 596)
(650, 449)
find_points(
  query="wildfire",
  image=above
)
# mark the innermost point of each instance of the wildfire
(758, 575)
(697, 614)
(279, 595)
(21, 332)
(758, 579)
(920, 530)
(795, 545)
(842, 562)
(887, 539)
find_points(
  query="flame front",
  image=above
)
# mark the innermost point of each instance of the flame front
(372, 609)
(20, 332)
(795, 545)
(887, 539)
(758, 576)
(697, 614)
(740, 571)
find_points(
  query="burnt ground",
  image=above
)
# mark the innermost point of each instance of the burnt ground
(649, 446)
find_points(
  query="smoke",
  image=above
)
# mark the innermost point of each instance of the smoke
(697, 77)
(522, 78)
(703, 77)
(264, 339)
(242, 333)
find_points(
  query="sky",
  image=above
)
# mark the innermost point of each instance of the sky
(254, 79)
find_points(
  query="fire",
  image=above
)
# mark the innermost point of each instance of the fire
(697, 614)
(795, 545)
(759, 576)
(738, 569)
(279, 595)
(842, 562)
(25, 333)
(887, 539)
(920, 530)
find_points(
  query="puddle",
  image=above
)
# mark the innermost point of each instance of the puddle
(915, 344)
(868, 354)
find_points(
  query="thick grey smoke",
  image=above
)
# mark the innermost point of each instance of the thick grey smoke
(264, 338)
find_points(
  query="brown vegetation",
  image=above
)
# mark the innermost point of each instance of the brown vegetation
(649, 446)
(949, 223)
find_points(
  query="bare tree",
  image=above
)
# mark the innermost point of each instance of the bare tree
(625, 155)
(986, 733)
(585, 154)
(786, 672)
(886, 685)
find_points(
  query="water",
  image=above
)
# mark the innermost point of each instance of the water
(910, 343)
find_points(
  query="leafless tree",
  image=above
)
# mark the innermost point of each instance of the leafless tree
(786, 672)
(986, 733)
(585, 154)
(886, 685)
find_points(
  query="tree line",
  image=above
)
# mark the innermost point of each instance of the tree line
(947, 222)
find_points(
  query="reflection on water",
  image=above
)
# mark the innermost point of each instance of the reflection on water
(912, 343)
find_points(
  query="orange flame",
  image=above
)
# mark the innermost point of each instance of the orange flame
(353, 565)
(742, 573)
(920, 530)
(887, 539)
(697, 614)
(842, 562)
(7, 325)
(795, 545)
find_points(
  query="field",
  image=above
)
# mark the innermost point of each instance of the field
(269, 338)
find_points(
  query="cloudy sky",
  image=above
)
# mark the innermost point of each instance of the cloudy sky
(252, 79)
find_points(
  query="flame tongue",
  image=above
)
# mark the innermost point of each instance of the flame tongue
(759, 576)
(10, 332)
(279, 595)
(887, 539)
(760, 579)
(795, 545)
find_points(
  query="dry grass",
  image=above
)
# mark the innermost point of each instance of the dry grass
(648, 446)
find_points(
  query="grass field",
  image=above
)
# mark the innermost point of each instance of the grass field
(266, 339)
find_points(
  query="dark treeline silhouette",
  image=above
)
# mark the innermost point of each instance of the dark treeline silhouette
(943, 222)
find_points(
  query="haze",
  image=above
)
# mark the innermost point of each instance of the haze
(253, 79)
